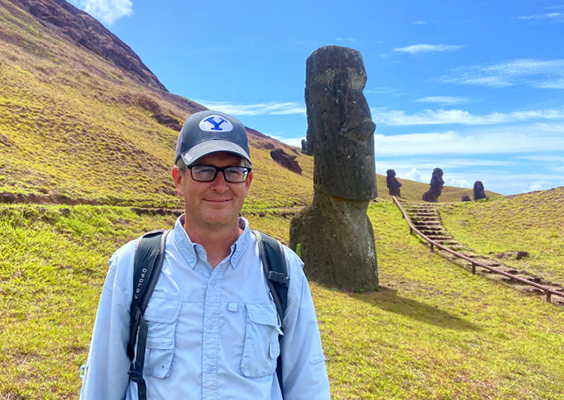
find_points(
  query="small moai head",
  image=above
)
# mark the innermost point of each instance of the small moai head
(437, 182)
(340, 131)
(391, 173)
(479, 192)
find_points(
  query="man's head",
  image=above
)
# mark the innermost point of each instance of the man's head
(212, 171)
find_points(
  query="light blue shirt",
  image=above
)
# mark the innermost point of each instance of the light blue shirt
(213, 333)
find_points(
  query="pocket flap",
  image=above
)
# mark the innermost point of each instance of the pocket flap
(162, 310)
(263, 315)
(160, 344)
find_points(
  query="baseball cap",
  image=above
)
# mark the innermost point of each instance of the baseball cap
(207, 132)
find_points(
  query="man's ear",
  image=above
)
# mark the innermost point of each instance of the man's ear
(177, 178)
(249, 179)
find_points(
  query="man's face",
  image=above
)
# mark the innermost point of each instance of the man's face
(216, 203)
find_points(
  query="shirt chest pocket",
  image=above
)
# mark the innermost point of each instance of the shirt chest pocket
(262, 346)
(161, 316)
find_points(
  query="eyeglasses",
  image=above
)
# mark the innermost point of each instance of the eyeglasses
(208, 173)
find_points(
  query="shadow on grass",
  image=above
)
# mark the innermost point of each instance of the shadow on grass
(388, 300)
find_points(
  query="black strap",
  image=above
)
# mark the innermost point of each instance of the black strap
(276, 274)
(149, 259)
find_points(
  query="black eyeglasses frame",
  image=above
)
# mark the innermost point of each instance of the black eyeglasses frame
(246, 172)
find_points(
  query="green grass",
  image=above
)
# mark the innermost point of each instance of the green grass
(433, 331)
(529, 222)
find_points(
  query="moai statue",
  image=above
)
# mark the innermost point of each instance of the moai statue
(437, 183)
(305, 149)
(479, 192)
(466, 198)
(392, 183)
(334, 233)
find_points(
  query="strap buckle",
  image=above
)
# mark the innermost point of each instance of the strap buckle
(135, 372)
(278, 277)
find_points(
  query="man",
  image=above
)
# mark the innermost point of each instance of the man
(213, 326)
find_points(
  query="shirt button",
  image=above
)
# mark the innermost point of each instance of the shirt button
(210, 370)
(212, 283)
(210, 325)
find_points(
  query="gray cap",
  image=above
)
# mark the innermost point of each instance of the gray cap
(208, 132)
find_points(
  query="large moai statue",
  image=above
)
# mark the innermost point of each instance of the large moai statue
(392, 183)
(335, 235)
(479, 191)
(437, 183)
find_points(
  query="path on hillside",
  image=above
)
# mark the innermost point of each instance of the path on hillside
(427, 219)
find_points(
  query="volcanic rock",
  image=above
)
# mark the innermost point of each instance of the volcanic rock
(286, 160)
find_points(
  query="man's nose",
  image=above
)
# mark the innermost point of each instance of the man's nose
(219, 182)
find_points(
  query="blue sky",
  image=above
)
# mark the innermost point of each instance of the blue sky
(473, 87)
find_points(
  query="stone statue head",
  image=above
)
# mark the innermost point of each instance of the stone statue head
(391, 173)
(340, 129)
(437, 182)
(479, 192)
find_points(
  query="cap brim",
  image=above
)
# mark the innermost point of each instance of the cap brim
(212, 146)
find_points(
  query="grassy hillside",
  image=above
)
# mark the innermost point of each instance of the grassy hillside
(74, 128)
(529, 222)
(434, 331)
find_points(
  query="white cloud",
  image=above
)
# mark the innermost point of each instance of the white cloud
(345, 39)
(420, 22)
(463, 183)
(543, 158)
(429, 163)
(107, 11)
(426, 48)
(442, 100)
(255, 109)
(296, 142)
(432, 117)
(499, 141)
(413, 175)
(554, 17)
(546, 74)
(534, 187)
(558, 169)
(386, 90)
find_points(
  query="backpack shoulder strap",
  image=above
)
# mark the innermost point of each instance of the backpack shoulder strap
(275, 271)
(276, 274)
(149, 259)
(147, 265)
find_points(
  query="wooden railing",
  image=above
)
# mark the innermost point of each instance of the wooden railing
(549, 292)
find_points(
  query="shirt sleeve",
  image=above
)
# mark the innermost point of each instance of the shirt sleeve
(105, 376)
(304, 374)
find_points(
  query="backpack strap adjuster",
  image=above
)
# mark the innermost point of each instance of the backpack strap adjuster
(278, 277)
(135, 373)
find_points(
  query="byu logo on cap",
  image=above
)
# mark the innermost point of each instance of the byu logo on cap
(215, 123)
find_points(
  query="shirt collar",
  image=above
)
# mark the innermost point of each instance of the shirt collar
(187, 248)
